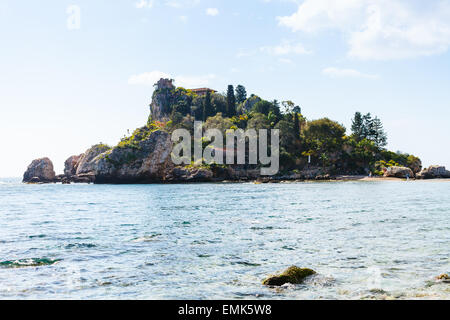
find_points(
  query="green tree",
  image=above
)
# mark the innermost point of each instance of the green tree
(231, 102)
(324, 138)
(258, 121)
(288, 106)
(377, 134)
(296, 126)
(241, 94)
(358, 129)
(208, 109)
(263, 107)
(219, 102)
(287, 134)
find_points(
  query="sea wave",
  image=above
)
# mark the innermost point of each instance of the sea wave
(32, 262)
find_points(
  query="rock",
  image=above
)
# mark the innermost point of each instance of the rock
(35, 180)
(71, 165)
(40, 171)
(144, 160)
(180, 174)
(443, 278)
(162, 99)
(399, 172)
(86, 163)
(434, 172)
(294, 275)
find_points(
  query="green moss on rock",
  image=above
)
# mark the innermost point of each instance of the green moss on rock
(443, 277)
(294, 275)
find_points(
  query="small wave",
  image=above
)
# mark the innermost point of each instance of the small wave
(80, 245)
(246, 263)
(33, 262)
(147, 238)
(37, 236)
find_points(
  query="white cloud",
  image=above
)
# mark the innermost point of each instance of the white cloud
(212, 12)
(286, 48)
(379, 29)
(169, 3)
(145, 4)
(150, 78)
(346, 73)
(284, 60)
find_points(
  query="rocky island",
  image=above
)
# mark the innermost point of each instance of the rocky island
(309, 149)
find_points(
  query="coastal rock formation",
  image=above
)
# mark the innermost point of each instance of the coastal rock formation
(145, 158)
(71, 165)
(399, 172)
(86, 164)
(162, 99)
(190, 175)
(434, 172)
(40, 171)
(293, 275)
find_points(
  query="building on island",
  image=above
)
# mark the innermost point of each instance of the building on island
(202, 91)
(169, 84)
(164, 84)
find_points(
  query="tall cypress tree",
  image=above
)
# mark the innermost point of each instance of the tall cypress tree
(241, 94)
(208, 109)
(296, 126)
(231, 102)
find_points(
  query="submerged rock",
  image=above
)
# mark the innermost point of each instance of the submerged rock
(443, 278)
(399, 172)
(434, 172)
(40, 171)
(294, 275)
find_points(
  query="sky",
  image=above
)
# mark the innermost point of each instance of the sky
(76, 73)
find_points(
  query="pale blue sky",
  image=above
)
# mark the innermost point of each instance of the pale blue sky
(64, 88)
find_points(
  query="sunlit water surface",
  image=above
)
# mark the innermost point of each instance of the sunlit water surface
(367, 240)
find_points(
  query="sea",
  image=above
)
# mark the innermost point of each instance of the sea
(365, 240)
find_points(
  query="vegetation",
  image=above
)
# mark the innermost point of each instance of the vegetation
(293, 275)
(304, 144)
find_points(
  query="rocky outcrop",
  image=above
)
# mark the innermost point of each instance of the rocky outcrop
(142, 160)
(182, 174)
(86, 164)
(162, 99)
(399, 172)
(71, 165)
(293, 275)
(434, 172)
(40, 171)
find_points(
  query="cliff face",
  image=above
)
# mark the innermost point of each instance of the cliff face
(148, 160)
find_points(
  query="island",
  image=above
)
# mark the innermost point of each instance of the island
(308, 149)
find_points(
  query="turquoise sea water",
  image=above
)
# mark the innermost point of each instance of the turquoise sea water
(367, 240)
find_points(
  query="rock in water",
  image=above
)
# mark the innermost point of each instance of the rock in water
(144, 158)
(40, 170)
(86, 164)
(399, 172)
(434, 172)
(71, 165)
(294, 275)
(443, 278)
